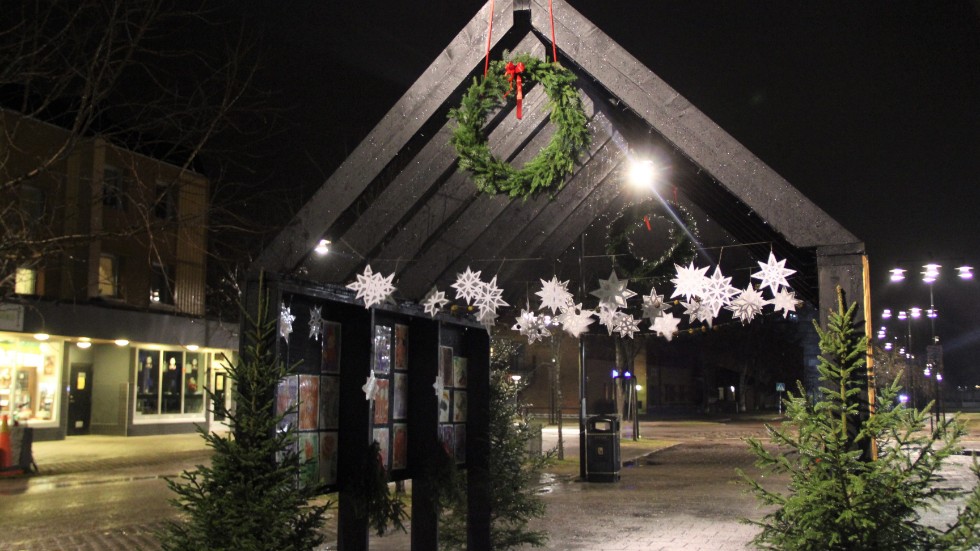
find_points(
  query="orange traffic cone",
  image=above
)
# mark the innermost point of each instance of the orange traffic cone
(5, 455)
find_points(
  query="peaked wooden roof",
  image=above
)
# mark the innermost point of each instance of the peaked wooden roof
(399, 203)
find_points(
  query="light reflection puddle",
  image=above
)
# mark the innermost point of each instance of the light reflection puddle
(42, 485)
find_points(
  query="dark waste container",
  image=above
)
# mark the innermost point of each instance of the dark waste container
(602, 448)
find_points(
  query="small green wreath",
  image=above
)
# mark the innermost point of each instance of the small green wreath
(548, 169)
(647, 272)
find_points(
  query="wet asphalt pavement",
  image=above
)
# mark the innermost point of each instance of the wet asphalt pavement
(98, 494)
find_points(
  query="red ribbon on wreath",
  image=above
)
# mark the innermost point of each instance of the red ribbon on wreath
(514, 71)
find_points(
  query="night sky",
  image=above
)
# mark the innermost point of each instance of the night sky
(868, 108)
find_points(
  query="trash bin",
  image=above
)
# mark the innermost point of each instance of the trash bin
(602, 448)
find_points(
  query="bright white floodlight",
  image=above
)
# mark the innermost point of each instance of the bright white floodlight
(643, 173)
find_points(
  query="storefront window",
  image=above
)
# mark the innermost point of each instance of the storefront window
(193, 384)
(170, 383)
(30, 372)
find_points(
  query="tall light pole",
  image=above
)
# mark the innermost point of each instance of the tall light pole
(907, 315)
(930, 274)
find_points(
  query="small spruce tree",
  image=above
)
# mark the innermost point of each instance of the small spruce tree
(839, 498)
(516, 472)
(248, 499)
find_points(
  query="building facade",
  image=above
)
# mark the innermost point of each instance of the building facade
(102, 328)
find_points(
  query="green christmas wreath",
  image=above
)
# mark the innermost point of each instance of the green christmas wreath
(630, 263)
(548, 169)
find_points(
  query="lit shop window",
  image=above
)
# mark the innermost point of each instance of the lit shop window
(29, 374)
(169, 382)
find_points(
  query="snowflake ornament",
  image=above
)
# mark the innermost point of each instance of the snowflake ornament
(434, 301)
(554, 295)
(717, 292)
(626, 325)
(487, 319)
(666, 326)
(575, 321)
(316, 323)
(532, 326)
(370, 387)
(613, 292)
(747, 305)
(773, 274)
(286, 319)
(608, 316)
(654, 305)
(467, 285)
(689, 282)
(487, 297)
(438, 386)
(373, 288)
(784, 301)
(696, 310)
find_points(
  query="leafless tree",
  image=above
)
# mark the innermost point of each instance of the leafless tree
(154, 77)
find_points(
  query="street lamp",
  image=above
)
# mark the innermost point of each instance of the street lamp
(931, 272)
(907, 315)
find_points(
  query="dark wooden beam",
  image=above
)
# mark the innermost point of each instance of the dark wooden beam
(425, 97)
(468, 226)
(700, 139)
(502, 238)
(411, 190)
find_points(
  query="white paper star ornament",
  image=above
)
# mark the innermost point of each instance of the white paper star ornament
(689, 281)
(316, 323)
(666, 326)
(531, 326)
(717, 292)
(467, 285)
(773, 274)
(371, 287)
(626, 325)
(613, 292)
(654, 305)
(488, 297)
(747, 305)
(554, 295)
(286, 319)
(575, 321)
(784, 301)
(370, 387)
(434, 301)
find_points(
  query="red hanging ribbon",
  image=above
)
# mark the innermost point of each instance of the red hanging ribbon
(514, 71)
(646, 220)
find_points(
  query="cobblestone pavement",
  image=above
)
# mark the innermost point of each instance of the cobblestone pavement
(683, 497)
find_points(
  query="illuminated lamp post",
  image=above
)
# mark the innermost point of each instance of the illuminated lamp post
(930, 274)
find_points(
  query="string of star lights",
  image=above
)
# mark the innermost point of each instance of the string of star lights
(701, 296)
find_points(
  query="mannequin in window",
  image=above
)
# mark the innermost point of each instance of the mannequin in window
(146, 376)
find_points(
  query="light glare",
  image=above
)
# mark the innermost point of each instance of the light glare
(323, 247)
(898, 274)
(642, 173)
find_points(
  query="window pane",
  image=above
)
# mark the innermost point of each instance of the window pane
(113, 192)
(148, 383)
(165, 206)
(25, 281)
(108, 276)
(162, 285)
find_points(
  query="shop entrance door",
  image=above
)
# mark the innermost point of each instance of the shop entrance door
(79, 399)
(219, 396)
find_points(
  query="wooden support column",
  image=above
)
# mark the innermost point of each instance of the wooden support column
(476, 346)
(423, 418)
